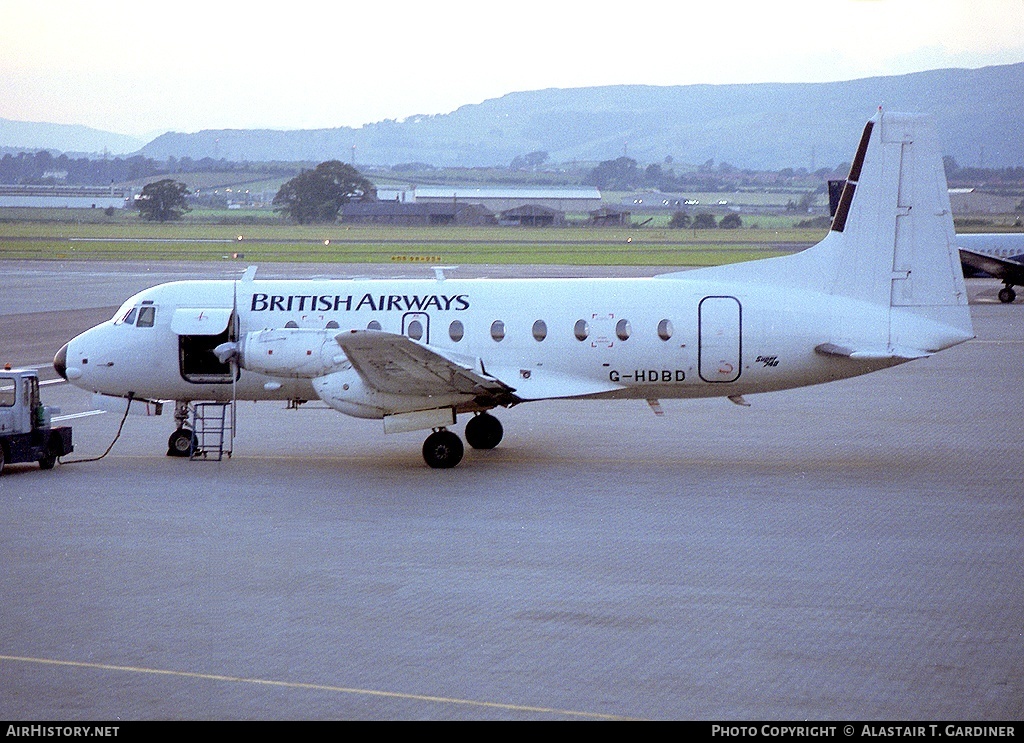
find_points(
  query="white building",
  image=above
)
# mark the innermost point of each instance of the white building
(497, 199)
(66, 197)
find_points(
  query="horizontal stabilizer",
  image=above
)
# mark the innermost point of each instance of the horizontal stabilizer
(870, 354)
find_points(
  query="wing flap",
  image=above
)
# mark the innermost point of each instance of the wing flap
(398, 365)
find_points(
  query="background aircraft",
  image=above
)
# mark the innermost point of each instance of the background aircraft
(997, 254)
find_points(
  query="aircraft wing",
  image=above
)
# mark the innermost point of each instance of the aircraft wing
(999, 268)
(398, 365)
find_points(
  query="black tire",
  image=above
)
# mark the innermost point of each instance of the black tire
(1007, 295)
(54, 449)
(442, 450)
(2, 460)
(484, 431)
(181, 443)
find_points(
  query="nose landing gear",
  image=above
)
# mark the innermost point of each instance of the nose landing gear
(183, 441)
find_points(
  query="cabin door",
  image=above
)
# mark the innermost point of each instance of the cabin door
(720, 321)
(199, 331)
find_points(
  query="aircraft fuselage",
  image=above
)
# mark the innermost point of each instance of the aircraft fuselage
(605, 338)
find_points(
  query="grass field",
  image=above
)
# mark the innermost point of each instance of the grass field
(92, 235)
(136, 240)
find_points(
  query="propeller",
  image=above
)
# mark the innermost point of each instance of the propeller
(233, 361)
(228, 353)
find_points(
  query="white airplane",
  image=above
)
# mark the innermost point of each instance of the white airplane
(1000, 255)
(884, 287)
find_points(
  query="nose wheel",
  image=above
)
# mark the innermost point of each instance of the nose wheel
(181, 443)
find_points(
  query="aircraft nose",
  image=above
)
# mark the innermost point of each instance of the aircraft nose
(60, 361)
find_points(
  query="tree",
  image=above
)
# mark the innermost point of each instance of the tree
(163, 200)
(704, 221)
(730, 221)
(529, 161)
(679, 220)
(317, 195)
(621, 174)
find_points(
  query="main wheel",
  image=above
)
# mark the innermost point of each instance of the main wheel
(1007, 295)
(181, 443)
(442, 450)
(484, 431)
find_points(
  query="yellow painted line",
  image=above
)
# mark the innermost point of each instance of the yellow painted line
(316, 687)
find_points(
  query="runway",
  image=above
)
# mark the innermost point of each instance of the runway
(851, 551)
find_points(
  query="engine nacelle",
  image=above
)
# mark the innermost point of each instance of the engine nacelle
(303, 353)
(346, 392)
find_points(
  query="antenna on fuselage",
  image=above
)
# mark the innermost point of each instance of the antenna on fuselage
(439, 271)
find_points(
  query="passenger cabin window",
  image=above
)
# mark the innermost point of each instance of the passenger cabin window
(498, 330)
(540, 330)
(373, 325)
(665, 329)
(147, 315)
(291, 324)
(332, 325)
(623, 330)
(456, 331)
(581, 330)
(415, 330)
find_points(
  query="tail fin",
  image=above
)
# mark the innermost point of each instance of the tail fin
(891, 245)
(892, 240)
(895, 219)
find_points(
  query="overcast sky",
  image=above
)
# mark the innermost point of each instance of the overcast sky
(144, 67)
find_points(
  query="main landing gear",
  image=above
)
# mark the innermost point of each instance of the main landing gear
(443, 449)
(483, 431)
(1007, 294)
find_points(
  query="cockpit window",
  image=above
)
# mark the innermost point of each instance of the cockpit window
(122, 312)
(129, 319)
(147, 314)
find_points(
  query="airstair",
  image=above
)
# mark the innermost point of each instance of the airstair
(213, 425)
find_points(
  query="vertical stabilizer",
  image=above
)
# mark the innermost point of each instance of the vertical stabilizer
(893, 235)
(891, 248)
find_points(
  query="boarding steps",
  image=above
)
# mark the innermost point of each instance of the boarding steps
(213, 425)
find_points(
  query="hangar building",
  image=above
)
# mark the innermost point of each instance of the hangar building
(67, 197)
(497, 200)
